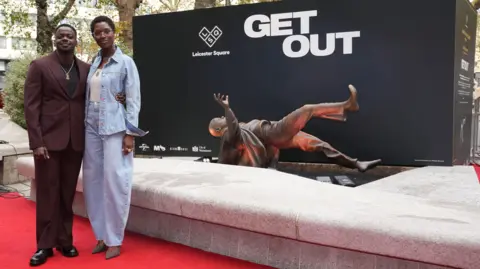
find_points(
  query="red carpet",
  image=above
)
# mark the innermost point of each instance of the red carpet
(477, 171)
(17, 244)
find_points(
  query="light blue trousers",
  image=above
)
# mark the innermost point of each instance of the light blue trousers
(107, 181)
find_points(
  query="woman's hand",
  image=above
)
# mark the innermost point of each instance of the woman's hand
(127, 147)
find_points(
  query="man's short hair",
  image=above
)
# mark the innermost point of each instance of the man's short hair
(66, 25)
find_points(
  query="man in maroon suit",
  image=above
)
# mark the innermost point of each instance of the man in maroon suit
(54, 111)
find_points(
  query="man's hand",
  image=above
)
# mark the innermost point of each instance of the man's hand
(127, 144)
(41, 153)
(222, 100)
(120, 97)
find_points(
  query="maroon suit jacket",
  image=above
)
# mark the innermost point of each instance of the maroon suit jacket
(53, 117)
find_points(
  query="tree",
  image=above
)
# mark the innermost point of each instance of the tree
(215, 3)
(204, 4)
(171, 5)
(16, 19)
(86, 45)
(476, 4)
(126, 11)
(13, 92)
(243, 2)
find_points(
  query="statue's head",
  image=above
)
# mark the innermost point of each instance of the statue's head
(217, 126)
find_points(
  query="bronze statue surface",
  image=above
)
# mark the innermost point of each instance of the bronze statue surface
(258, 143)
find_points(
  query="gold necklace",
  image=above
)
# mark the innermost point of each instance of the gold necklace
(67, 74)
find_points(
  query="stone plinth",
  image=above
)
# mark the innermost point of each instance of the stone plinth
(286, 221)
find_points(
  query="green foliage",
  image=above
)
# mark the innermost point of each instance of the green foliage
(15, 18)
(125, 49)
(13, 92)
(18, 22)
(106, 3)
(168, 6)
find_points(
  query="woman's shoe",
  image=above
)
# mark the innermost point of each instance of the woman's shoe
(100, 247)
(112, 252)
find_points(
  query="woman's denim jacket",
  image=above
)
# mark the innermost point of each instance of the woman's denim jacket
(119, 75)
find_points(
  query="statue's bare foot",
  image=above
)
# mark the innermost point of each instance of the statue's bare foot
(364, 166)
(351, 104)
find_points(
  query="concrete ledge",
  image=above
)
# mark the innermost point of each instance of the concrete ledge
(14, 149)
(456, 186)
(283, 206)
(16, 136)
(8, 170)
(259, 248)
(17, 139)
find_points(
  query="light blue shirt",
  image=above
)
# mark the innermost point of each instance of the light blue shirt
(119, 75)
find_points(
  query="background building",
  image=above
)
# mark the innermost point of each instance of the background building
(13, 45)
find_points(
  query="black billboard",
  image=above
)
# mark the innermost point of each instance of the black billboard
(273, 58)
(465, 36)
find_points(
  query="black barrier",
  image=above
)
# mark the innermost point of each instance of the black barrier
(412, 65)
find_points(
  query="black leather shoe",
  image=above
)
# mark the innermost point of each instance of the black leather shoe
(69, 252)
(40, 257)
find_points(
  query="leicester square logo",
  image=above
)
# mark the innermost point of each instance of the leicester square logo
(210, 37)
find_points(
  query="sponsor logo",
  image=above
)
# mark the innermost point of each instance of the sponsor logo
(178, 149)
(210, 37)
(158, 148)
(144, 147)
(280, 24)
(465, 65)
(200, 149)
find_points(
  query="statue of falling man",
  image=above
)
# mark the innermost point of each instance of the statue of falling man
(257, 143)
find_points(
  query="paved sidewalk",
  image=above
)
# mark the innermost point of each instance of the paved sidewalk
(22, 188)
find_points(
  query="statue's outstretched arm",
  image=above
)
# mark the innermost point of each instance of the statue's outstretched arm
(233, 134)
(233, 131)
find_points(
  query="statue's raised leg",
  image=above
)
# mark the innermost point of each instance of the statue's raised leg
(284, 130)
(310, 143)
(336, 111)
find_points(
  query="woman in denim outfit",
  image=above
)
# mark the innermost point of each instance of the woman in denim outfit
(110, 130)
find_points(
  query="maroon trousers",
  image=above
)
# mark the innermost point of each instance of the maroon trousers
(56, 180)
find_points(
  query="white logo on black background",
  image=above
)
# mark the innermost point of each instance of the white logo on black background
(200, 149)
(280, 24)
(465, 65)
(158, 148)
(178, 149)
(144, 147)
(210, 37)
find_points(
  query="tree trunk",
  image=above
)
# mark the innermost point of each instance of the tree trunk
(44, 29)
(228, 2)
(126, 11)
(204, 4)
